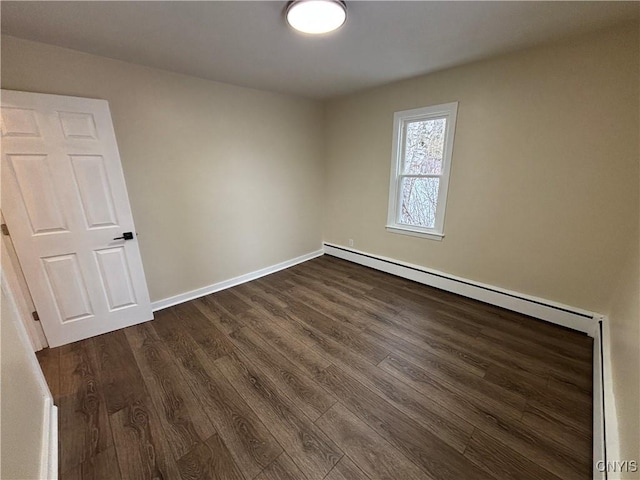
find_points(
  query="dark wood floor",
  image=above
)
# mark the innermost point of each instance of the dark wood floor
(327, 370)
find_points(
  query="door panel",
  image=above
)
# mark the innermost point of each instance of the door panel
(19, 122)
(116, 278)
(68, 287)
(65, 200)
(33, 177)
(78, 125)
(95, 192)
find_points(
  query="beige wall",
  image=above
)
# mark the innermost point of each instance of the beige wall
(223, 180)
(543, 196)
(23, 398)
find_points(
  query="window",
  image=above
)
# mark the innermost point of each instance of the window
(422, 147)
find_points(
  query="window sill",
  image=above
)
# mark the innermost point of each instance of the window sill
(415, 233)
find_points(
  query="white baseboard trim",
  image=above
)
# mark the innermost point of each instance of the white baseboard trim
(49, 460)
(567, 316)
(216, 287)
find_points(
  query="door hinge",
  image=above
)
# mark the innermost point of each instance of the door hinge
(4, 228)
(36, 317)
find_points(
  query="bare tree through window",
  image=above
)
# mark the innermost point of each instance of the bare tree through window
(422, 167)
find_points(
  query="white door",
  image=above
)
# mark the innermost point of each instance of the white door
(66, 205)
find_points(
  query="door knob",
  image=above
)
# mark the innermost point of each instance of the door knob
(125, 236)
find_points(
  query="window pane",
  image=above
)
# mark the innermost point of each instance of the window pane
(419, 199)
(424, 147)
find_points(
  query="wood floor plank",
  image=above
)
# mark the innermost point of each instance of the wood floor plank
(307, 395)
(508, 353)
(208, 337)
(444, 390)
(566, 350)
(183, 420)
(426, 449)
(423, 321)
(505, 355)
(368, 450)
(464, 379)
(230, 302)
(282, 468)
(488, 352)
(86, 427)
(332, 305)
(501, 461)
(409, 329)
(175, 336)
(119, 374)
(103, 466)
(419, 349)
(141, 445)
(216, 314)
(577, 438)
(250, 443)
(344, 292)
(77, 367)
(564, 404)
(209, 460)
(260, 295)
(367, 307)
(582, 382)
(393, 331)
(312, 451)
(341, 333)
(568, 389)
(516, 381)
(254, 293)
(331, 276)
(83, 410)
(345, 469)
(262, 322)
(576, 413)
(451, 428)
(276, 281)
(549, 454)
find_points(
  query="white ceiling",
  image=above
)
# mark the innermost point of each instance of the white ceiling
(249, 43)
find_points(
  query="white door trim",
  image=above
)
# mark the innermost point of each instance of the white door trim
(34, 329)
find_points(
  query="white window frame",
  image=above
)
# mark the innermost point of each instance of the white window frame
(400, 120)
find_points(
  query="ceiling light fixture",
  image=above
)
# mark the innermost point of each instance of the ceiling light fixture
(316, 16)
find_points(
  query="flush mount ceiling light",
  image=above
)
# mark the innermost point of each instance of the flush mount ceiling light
(316, 16)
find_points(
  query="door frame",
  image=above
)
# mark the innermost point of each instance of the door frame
(24, 302)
